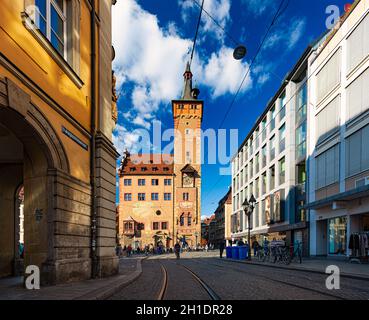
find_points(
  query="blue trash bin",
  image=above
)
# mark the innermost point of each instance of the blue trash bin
(248, 250)
(229, 252)
(243, 252)
(235, 253)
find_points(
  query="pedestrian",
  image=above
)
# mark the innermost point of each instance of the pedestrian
(221, 248)
(255, 246)
(206, 247)
(177, 250)
(129, 250)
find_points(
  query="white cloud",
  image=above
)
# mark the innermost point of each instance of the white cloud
(150, 62)
(123, 139)
(287, 34)
(218, 9)
(140, 121)
(224, 74)
(151, 58)
(298, 28)
(258, 7)
(263, 78)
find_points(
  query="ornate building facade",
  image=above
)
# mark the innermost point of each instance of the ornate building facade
(57, 159)
(160, 195)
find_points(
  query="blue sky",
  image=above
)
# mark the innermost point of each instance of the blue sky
(152, 41)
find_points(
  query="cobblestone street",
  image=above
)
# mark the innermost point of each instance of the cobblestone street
(200, 275)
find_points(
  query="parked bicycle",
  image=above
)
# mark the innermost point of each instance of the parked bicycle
(296, 253)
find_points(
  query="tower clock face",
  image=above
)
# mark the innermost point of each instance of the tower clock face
(187, 181)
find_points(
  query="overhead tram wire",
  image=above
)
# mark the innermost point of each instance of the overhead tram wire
(276, 16)
(288, 101)
(197, 31)
(216, 22)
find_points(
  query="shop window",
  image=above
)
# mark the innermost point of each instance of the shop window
(337, 235)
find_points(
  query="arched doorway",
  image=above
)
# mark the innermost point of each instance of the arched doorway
(23, 195)
(30, 150)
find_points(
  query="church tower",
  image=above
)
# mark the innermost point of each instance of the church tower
(187, 116)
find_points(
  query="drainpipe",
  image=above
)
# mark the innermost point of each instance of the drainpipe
(94, 269)
(174, 215)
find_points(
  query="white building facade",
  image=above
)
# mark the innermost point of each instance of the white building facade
(270, 164)
(338, 145)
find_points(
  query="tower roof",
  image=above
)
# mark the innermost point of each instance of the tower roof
(189, 93)
(187, 83)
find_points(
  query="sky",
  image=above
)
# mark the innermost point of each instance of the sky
(153, 40)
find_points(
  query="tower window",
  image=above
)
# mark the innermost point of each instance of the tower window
(185, 196)
(189, 220)
(181, 220)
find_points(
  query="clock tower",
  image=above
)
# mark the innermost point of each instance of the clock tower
(187, 116)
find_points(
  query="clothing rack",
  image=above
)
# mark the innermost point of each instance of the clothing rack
(359, 245)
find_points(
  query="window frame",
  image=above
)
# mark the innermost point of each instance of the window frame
(62, 14)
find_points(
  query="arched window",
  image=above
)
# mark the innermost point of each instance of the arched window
(189, 219)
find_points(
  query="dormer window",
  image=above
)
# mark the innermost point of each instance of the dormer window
(143, 169)
(132, 169)
(154, 169)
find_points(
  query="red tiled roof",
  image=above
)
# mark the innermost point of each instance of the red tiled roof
(147, 164)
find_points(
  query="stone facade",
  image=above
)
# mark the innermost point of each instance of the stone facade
(183, 210)
(46, 130)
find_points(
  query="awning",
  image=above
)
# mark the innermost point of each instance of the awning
(288, 227)
(343, 196)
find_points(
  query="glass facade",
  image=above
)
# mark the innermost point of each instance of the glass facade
(301, 141)
(337, 229)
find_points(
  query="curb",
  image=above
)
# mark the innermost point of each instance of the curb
(343, 274)
(110, 289)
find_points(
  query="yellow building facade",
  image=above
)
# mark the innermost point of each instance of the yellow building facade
(57, 114)
(180, 202)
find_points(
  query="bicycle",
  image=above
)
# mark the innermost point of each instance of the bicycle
(296, 253)
(280, 254)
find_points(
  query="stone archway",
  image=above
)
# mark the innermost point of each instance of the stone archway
(32, 153)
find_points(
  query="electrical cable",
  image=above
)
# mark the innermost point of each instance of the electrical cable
(217, 23)
(252, 62)
(197, 30)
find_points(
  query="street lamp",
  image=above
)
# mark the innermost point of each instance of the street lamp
(248, 208)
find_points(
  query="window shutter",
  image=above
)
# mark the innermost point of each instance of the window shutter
(366, 36)
(365, 149)
(354, 144)
(73, 33)
(329, 165)
(329, 75)
(365, 91)
(355, 47)
(354, 97)
(320, 171)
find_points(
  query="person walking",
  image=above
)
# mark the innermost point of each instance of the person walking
(129, 250)
(177, 250)
(206, 248)
(255, 246)
(221, 248)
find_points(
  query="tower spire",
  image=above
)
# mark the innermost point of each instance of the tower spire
(187, 91)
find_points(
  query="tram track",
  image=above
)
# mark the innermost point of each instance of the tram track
(163, 290)
(278, 281)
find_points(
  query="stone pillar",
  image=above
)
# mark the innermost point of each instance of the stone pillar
(106, 157)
